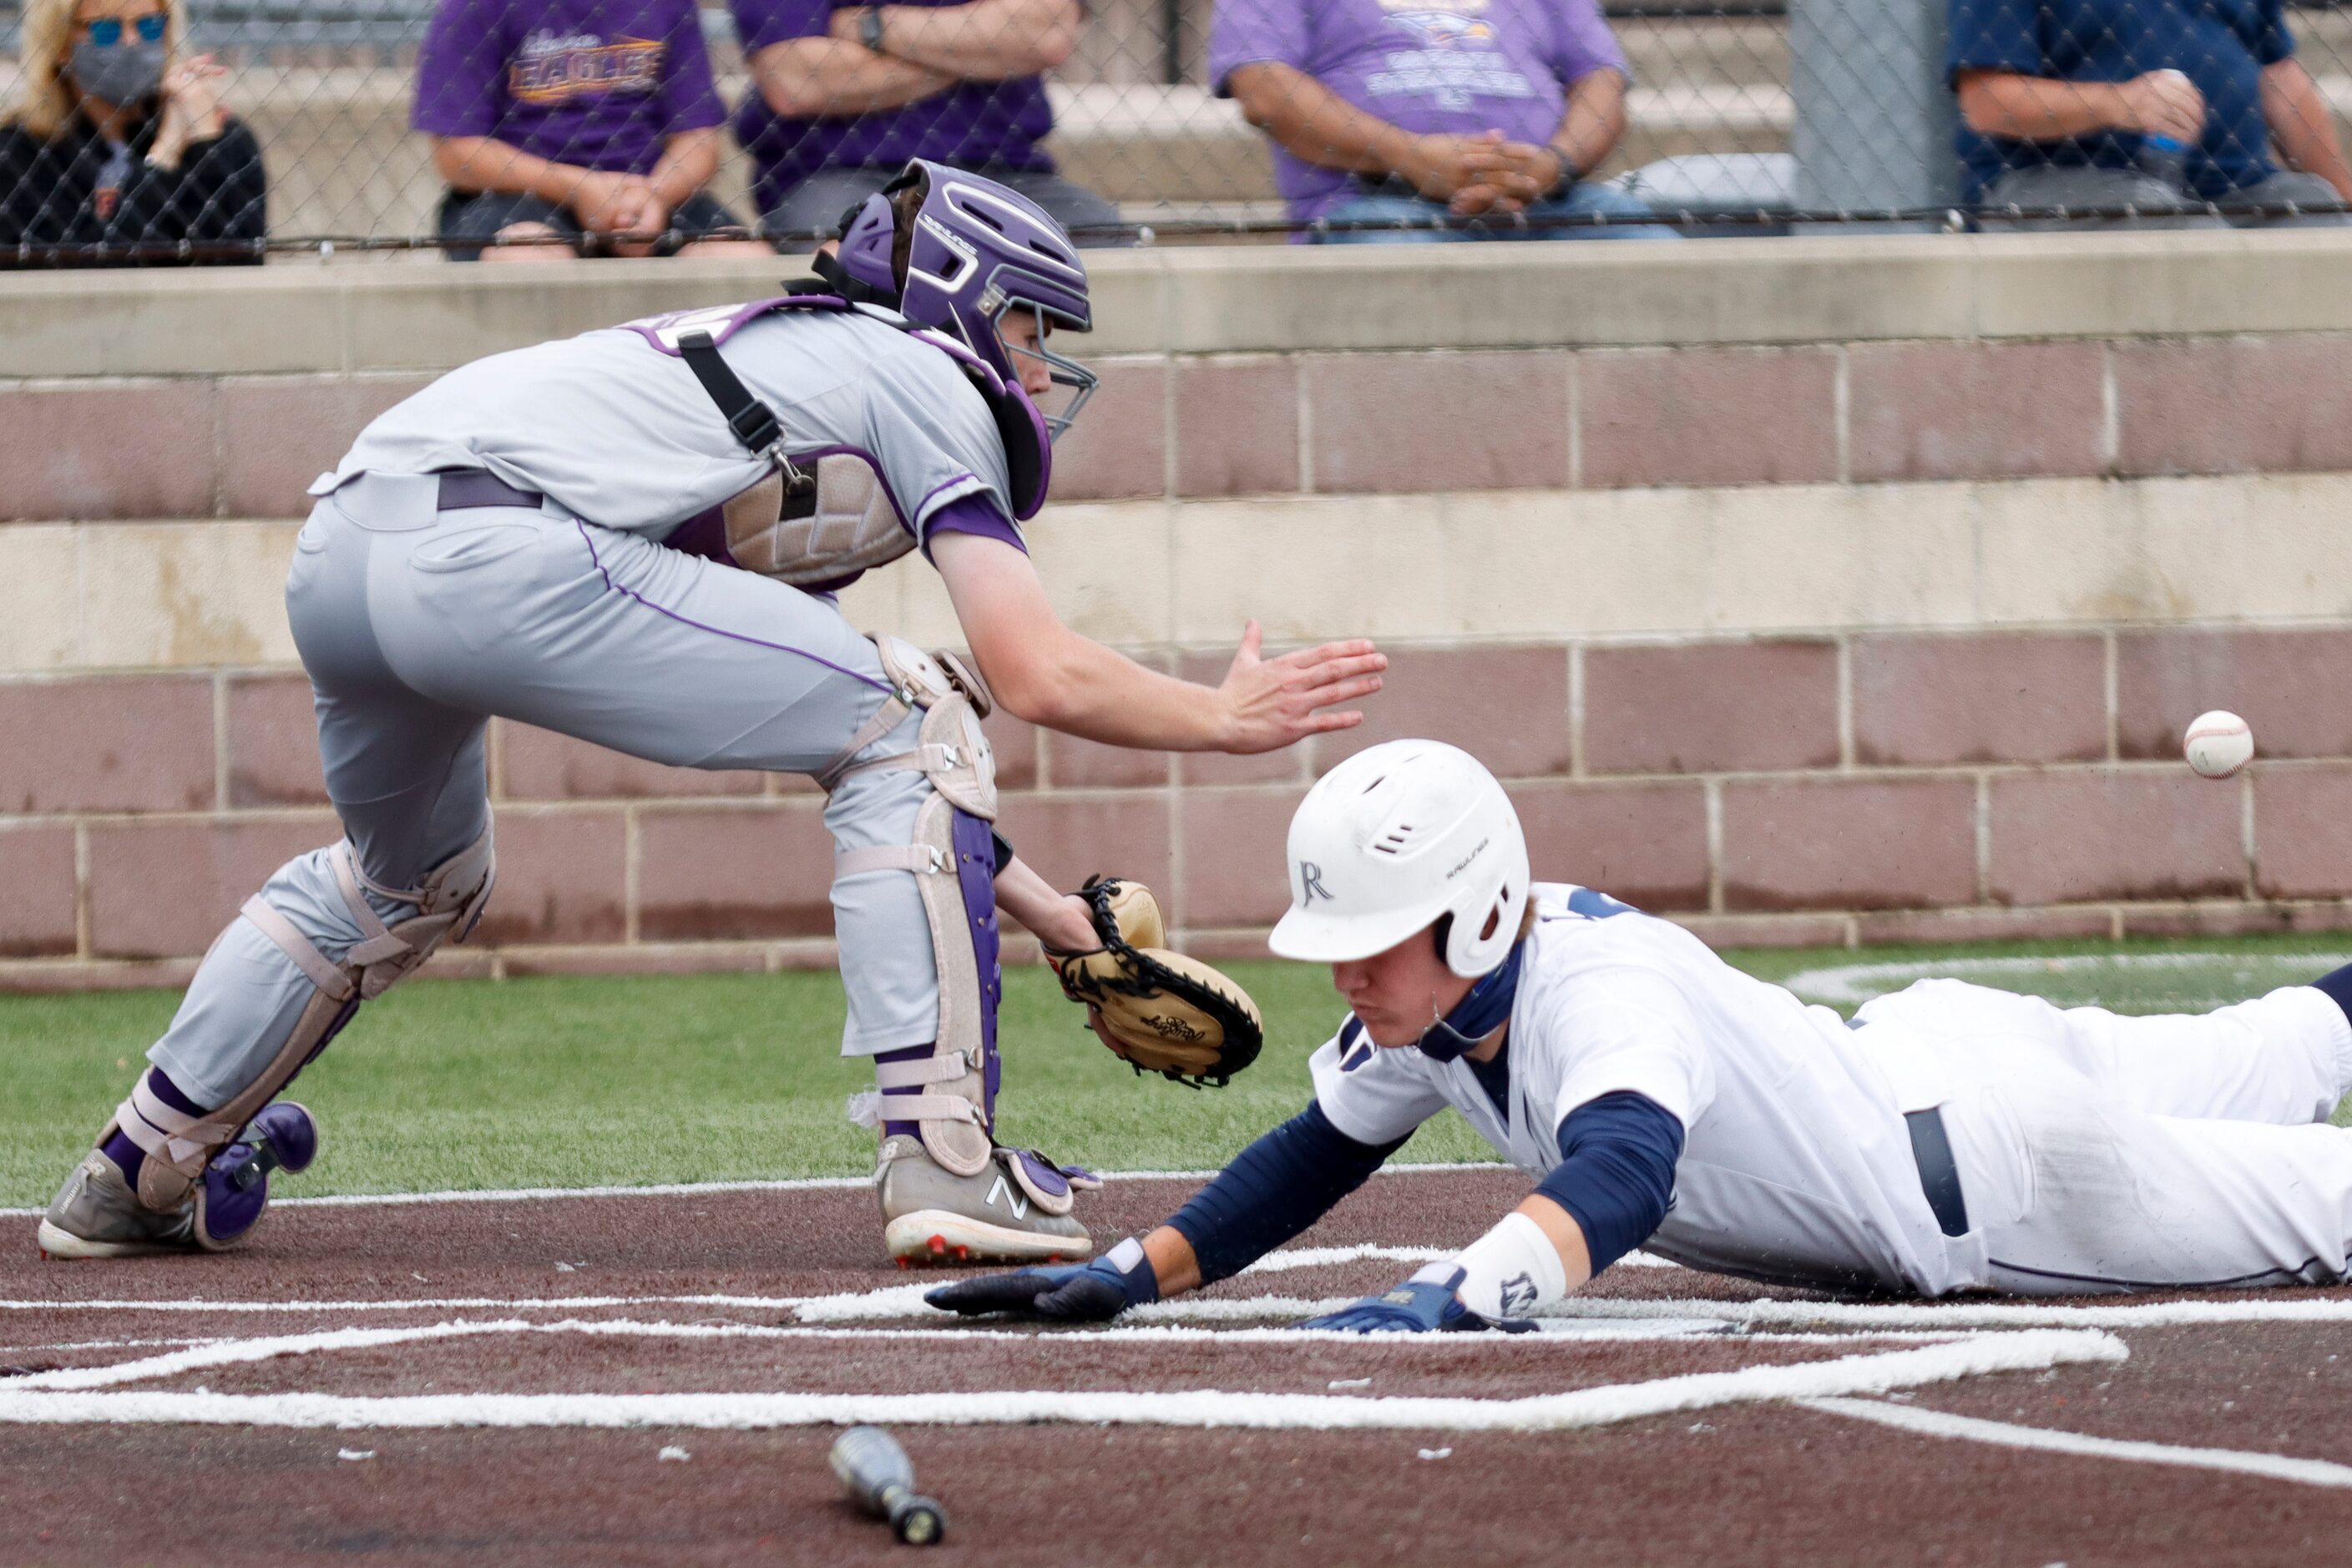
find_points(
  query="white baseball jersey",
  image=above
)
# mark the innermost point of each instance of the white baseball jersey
(1796, 1164)
(619, 432)
(2096, 1153)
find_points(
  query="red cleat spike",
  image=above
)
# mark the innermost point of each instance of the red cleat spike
(901, 1262)
(939, 1245)
(964, 1254)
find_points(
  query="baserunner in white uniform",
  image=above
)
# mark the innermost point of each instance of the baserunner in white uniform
(1952, 1138)
(631, 537)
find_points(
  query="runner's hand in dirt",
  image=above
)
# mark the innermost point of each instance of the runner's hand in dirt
(1094, 1293)
(1423, 1304)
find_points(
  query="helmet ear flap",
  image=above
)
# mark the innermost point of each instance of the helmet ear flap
(1470, 950)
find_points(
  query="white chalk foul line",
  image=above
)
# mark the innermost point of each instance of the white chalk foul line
(1973, 1315)
(708, 1189)
(2031, 1350)
(2042, 1439)
(410, 1304)
(1850, 984)
(890, 1301)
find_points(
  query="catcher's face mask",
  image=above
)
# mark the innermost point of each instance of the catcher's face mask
(1057, 386)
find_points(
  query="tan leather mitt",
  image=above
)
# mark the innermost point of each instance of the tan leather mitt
(1158, 1011)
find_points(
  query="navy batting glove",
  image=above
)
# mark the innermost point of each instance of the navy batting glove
(1067, 1293)
(1426, 1303)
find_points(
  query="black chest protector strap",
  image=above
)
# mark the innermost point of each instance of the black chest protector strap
(753, 423)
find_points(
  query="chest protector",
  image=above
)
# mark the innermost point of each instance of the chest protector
(826, 513)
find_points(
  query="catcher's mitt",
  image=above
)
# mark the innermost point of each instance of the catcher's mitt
(1158, 1011)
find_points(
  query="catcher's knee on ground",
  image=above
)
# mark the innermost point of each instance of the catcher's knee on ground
(183, 1149)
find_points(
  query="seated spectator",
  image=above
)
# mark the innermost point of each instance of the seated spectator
(846, 94)
(1487, 113)
(116, 145)
(577, 121)
(2154, 104)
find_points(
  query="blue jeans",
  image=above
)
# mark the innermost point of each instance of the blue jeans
(1581, 200)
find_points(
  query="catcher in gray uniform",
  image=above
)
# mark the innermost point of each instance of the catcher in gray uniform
(631, 537)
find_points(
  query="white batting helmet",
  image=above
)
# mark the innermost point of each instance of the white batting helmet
(1393, 840)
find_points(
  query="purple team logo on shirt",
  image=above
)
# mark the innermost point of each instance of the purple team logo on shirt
(553, 67)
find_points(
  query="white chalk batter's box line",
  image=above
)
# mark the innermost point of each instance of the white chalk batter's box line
(1837, 1387)
(1952, 1341)
(75, 1396)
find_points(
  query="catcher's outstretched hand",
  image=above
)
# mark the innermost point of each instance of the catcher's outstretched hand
(1275, 702)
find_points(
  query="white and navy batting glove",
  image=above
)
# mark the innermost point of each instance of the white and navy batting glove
(1093, 1292)
(1423, 1304)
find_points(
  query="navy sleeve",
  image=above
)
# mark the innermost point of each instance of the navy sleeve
(1994, 34)
(1273, 1190)
(1616, 1172)
(2271, 42)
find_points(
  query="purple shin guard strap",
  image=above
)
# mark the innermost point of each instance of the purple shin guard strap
(975, 852)
(911, 1053)
(128, 1156)
(1044, 1174)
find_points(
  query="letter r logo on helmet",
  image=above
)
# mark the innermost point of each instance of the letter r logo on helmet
(1408, 832)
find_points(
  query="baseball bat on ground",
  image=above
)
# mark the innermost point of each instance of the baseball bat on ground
(877, 1474)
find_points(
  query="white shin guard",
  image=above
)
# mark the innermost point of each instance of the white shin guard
(449, 902)
(954, 871)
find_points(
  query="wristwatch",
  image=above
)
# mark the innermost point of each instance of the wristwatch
(869, 28)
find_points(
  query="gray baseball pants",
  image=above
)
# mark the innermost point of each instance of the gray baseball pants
(416, 625)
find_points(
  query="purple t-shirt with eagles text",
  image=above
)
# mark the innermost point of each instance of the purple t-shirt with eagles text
(597, 84)
(970, 125)
(1427, 66)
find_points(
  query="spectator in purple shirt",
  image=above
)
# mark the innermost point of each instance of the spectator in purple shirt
(574, 120)
(1404, 113)
(846, 94)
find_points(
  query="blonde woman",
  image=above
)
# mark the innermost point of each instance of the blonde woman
(116, 148)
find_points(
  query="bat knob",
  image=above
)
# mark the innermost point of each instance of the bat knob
(916, 1521)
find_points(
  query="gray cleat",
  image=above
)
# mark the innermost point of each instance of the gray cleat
(1001, 1216)
(96, 1214)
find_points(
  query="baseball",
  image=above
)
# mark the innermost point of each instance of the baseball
(2218, 745)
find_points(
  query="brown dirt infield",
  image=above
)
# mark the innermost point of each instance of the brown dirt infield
(1734, 1483)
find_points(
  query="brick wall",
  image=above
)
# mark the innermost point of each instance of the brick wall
(1882, 634)
(1868, 786)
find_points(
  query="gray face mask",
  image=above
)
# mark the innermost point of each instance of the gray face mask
(129, 72)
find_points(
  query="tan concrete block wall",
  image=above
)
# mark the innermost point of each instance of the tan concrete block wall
(1378, 422)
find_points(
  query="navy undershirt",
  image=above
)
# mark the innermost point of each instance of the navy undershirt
(1616, 1172)
(1495, 1078)
(1274, 1189)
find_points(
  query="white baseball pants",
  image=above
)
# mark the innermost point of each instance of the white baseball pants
(2098, 1152)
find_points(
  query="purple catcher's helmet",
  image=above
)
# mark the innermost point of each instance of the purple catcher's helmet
(980, 249)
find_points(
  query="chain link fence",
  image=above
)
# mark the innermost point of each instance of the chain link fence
(632, 126)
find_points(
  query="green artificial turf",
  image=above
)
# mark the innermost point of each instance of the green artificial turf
(568, 1082)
